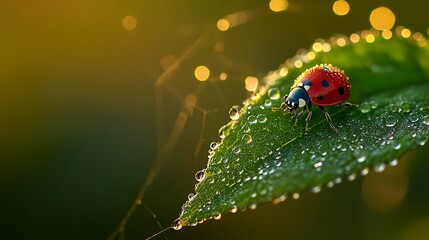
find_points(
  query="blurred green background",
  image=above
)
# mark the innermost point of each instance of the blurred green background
(80, 125)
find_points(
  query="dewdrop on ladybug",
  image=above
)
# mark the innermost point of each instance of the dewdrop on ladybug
(322, 85)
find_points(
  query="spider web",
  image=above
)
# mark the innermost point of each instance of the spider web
(189, 112)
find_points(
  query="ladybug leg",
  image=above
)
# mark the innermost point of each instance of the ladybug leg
(347, 104)
(307, 119)
(300, 114)
(328, 119)
(275, 109)
(293, 115)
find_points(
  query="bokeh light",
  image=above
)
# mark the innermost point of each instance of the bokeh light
(341, 42)
(382, 18)
(222, 24)
(202, 73)
(354, 38)
(251, 83)
(223, 76)
(341, 7)
(317, 46)
(370, 38)
(298, 63)
(129, 23)
(386, 34)
(406, 33)
(278, 5)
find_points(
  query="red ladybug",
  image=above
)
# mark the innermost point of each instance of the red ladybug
(322, 85)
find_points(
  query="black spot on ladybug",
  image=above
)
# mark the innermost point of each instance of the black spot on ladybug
(319, 97)
(341, 90)
(325, 83)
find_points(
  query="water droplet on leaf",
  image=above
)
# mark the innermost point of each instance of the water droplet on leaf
(390, 122)
(274, 94)
(261, 118)
(425, 120)
(405, 106)
(191, 196)
(364, 107)
(176, 225)
(316, 189)
(393, 107)
(247, 138)
(393, 162)
(214, 145)
(379, 167)
(217, 216)
(234, 112)
(224, 131)
(251, 119)
(200, 176)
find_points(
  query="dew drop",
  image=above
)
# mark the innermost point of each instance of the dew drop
(393, 107)
(425, 120)
(316, 189)
(351, 177)
(247, 138)
(191, 196)
(396, 145)
(421, 140)
(253, 195)
(200, 176)
(405, 107)
(234, 209)
(223, 131)
(364, 171)
(318, 165)
(330, 184)
(393, 162)
(365, 107)
(253, 206)
(282, 197)
(295, 196)
(338, 180)
(234, 112)
(251, 119)
(176, 225)
(261, 118)
(360, 155)
(277, 155)
(236, 150)
(245, 128)
(373, 104)
(267, 103)
(217, 216)
(390, 122)
(214, 145)
(414, 117)
(379, 167)
(274, 94)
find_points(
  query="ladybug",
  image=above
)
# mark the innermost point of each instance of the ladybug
(323, 86)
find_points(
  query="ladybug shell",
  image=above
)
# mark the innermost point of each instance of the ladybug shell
(326, 85)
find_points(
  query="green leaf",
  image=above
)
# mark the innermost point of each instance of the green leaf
(263, 157)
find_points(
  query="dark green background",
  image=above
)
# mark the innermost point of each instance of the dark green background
(77, 119)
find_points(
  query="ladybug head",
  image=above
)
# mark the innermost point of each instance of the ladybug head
(298, 97)
(291, 104)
